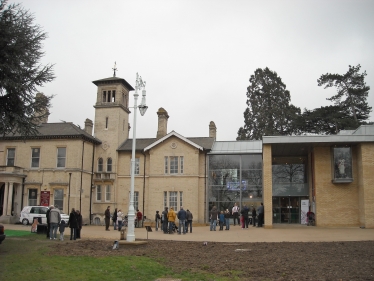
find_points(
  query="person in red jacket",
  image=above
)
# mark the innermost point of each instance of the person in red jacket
(139, 217)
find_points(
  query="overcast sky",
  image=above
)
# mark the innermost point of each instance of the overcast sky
(197, 56)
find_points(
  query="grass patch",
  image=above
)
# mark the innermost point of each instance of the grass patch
(25, 256)
(15, 233)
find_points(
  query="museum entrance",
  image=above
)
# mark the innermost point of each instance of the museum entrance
(287, 209)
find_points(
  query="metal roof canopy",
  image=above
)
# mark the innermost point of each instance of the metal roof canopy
(236, 147)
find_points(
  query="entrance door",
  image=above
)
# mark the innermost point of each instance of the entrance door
(286, 209)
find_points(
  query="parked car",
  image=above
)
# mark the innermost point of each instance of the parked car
(2, 235)
(30, 212)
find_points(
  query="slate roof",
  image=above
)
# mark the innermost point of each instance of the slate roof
(112, 80)
(204, 142)
(56, 131)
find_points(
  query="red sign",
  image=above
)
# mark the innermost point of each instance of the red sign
(44, 198)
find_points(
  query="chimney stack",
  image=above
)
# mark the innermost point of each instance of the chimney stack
(162, 123)
(212, 130)
(88, 125)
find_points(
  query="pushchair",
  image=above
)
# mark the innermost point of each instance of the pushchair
(174, 229)
(311, 218)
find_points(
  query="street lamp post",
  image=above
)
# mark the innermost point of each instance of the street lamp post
(140, 84)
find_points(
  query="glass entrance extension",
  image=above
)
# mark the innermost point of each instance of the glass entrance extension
(287, 209)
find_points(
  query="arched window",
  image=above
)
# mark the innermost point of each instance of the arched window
(109, 165)
(100, 165)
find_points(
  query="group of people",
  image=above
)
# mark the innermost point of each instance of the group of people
(54, 222)
(223, 217)
(168, 221)
(119, 219)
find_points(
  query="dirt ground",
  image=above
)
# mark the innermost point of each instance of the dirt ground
(249, 261)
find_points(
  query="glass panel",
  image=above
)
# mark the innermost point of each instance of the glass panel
(33, 197)
(61, 156)
(98, 193)
(107, 193)
(173, 164)
(100, 165)
(109, 165)
(35, 156)
(276, 210)
(342, 164)
(10, 156)
(182, 164)
(166, 165)
(289, 177)
(285, 211)
(173, 198)
(59, 198)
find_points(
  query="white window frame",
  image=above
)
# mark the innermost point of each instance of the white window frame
(61, 158)
(35, 157)
(56, 200)
(98, 193)
(32, 199)
(173, 165)
(8, 158)
(108, 193)
(109, 166)
(137, 166)
(100, 164)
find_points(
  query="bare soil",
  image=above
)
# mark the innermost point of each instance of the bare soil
(339, 261)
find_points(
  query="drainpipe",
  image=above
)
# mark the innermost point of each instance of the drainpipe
(23, 190)
(80, 191)
(145, 158)
(206, 191)
(92, 185)
(68, 212)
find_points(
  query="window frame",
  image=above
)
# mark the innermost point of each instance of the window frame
(35, 157)
(9, 159)
(100, 164)
(108, 193)
(60, 158)
(109, 165)
(98, 193)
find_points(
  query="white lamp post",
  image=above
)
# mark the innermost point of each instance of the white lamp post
(140, 84)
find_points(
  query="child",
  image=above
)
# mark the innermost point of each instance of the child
(62, 229)
(157, 219)
(221, 220)
(242, 221)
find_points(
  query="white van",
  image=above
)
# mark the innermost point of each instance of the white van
(30, 212)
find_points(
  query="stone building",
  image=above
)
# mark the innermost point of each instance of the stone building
(90, 169)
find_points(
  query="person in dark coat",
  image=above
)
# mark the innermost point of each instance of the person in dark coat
(48, 222)
(253, 216)
(73, 224)
(107, 218)
(245, 215)
(79, 223)
(164, 218)
(114, 218)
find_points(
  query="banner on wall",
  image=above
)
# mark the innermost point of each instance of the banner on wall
(45, 198)
(304, 211)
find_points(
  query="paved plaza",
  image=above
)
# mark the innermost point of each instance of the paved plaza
(279, 233)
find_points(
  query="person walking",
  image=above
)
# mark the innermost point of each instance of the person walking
(107, 218)
(260, 211)
(114, 219)
(171, 220)
(79, 223)
(245, 215)
(213, 216)
(119, 216)
(62, 229)
(235, 214)
(54, 219)
(227, 219)
(157, 220)
(164, 218)
(253, 216)
(221, 220)
(73, 224)
(182, 216)
(189, 221)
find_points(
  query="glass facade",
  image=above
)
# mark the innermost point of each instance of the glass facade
(234, 179)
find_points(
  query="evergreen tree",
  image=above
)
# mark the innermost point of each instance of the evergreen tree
(21, 72)
(352, 93)
(269, 111)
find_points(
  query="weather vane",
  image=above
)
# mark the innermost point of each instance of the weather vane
(114, 69)
(139, 82)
